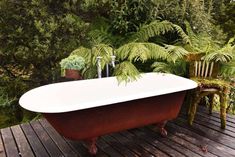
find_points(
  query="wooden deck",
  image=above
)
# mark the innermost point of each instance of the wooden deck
(204, 138)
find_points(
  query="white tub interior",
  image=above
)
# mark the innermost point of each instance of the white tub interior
(83, 94)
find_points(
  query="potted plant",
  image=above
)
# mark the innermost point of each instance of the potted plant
(72, 66)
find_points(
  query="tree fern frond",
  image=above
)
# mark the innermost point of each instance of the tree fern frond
(104, 51)
(225, 54)
(182, 34)
(83, 52)
(155, 28)
(126, 71)
(178, 68)
(228, 69)
(161, 67)
(219, 57)
(100, 36)
(175, 52)
(141, 52)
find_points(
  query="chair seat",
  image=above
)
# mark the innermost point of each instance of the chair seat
(212, 84)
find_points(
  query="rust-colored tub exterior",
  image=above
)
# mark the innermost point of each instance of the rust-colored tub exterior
(94, 122)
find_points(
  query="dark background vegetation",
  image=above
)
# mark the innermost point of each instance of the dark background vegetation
(36, 34)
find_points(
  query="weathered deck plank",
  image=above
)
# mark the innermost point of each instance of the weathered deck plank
(23, 145)
(9, 142)
(2, 150)
(203, 139)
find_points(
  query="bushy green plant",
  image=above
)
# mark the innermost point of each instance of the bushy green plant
(73, 62)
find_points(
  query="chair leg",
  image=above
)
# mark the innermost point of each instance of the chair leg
(223, 105)
(211, 101)
(193, 108)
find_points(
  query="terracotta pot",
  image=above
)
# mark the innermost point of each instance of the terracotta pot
(73, 74)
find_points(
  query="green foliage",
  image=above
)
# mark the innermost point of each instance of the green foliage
(178, 68)
(35, 36)
(129, 15)
(157, 28)
(126, 72)
(224, 54)
(90, 56)
(140, 52)
(4, 99)
(73, 62)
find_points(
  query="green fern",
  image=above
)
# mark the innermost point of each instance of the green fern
(175, 53)
(141, 52)
(104, 51)
(126, 71)
(157, 28)
(178, 68)
(223, 55)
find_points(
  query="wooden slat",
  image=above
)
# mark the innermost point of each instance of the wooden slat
(81, 149)
(198, 140)
(151, 149)
(108, 148)
(48, 143)
(153, 140)
(9, 142)
(118, 146)
(207, 141)
(216, 121)
(59, 141)
(173, 145)
(35, 143)
(131, 145)
(2, 149)
(211, 69)
(196, 68)
(230, 118)
(203, 68)
(199, 68)
(209, 133)
(212, 125)
(22, 143)
(207, 68)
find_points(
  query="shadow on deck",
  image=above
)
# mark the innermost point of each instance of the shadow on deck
(204, 138)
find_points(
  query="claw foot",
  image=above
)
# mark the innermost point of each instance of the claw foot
(91, 144)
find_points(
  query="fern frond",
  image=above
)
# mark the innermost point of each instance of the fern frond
(182, 34)
(177, 68)
(100, 36)
(83, 52)
(225, 54)
(126, 71)
(104, 51)
(228, 69)
(141, 52)
(175, 52)
(161, 67)
(157, 28)
(219, 57)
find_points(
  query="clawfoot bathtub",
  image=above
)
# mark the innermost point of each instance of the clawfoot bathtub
(87, 109)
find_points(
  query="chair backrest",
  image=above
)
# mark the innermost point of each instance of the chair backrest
(201, 68)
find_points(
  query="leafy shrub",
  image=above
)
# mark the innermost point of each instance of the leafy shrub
(73, 62)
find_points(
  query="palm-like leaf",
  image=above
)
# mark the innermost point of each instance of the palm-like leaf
(178, 68)
(126, 71)
(228, 69)
(225, 54)
(157, 28)
(83, 52)
(104, 51)
(141, 52)
(175, 53)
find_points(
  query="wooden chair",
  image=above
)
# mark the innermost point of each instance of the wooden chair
(205, 74)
